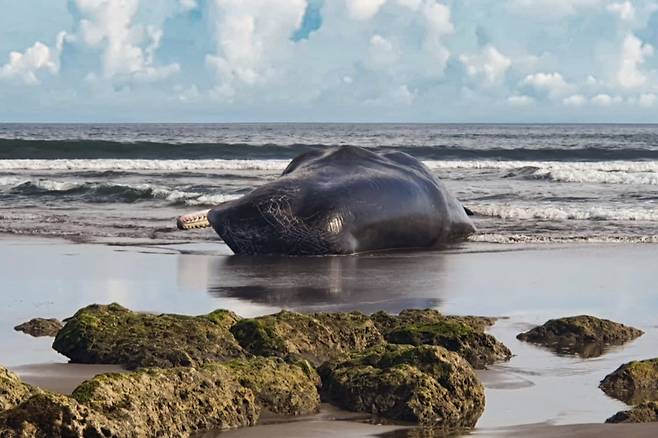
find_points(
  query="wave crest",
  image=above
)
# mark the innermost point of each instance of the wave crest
(550, 212)
(112, 193)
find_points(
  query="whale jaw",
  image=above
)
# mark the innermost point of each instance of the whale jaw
(190, 221)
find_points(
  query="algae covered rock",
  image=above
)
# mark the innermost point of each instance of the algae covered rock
(280, 387)
(584, 335)
(315, 337)
(425, 384)
(12, 390)
(171, 402)
(40, 327)
(111, 334)
(463, 335)
(646, 412)
(385, 322)
(633, 382)
(47, 415)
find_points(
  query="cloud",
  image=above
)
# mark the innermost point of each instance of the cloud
(438, 24)
(521, 100)
(188, 5)
(127, 48)
(252, 36)
(25, 66)
(490, 63)
(633, 55)
(403, 60)
(382, 50)
(625, 11)
(605, 100)
(553, 8)
(363, 9)
(551, 83)
(575, 100)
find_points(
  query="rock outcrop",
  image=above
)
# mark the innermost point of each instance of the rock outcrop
(386, 322)
(171, 402)
(47, 415)
(111, 334)
(219, 371)
(646, 412)
(633, 382)
(461, 334)
(425, 384)
(584, 335)
(315, 337)
(12, 390)
(165, 402)
(280, 387)
(40, 327)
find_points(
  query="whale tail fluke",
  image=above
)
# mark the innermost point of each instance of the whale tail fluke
(198, 219)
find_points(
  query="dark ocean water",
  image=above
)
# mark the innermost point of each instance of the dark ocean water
(526, 183)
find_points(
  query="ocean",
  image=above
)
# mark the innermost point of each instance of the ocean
(128, 182)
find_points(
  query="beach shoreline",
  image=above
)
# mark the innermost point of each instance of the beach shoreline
(525, 284)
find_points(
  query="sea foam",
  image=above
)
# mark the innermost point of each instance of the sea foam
(115, 192)
(609, 172)
(553, 212)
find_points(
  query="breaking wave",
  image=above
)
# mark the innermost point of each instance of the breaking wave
(551, 212)
(278, 165)
(548, 239)
(110, 193)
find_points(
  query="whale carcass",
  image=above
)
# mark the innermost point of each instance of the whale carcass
(340, 201)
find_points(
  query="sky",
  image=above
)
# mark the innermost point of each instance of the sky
(523, 61)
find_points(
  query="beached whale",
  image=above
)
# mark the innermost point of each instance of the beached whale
(340, 201)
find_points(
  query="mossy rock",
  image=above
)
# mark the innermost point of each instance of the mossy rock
(633, 382)
(315, 337)
(167, 402)
(386, 322)
(463, 335)
(171, 402)
(425, 384)
(12, 390)
(583, 335)
(40, 327)
(646, 412)
(46, 415)
(280, 387)
(112, 334)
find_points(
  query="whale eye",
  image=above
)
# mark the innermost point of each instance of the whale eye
(335, 224)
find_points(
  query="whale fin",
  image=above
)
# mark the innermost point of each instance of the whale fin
(468, 211)
(198, 219)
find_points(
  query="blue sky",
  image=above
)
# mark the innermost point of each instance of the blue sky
(329, 60)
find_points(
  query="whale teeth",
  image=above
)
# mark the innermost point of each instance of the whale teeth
(198, 219)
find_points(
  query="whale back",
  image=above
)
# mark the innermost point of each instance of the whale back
(342, 201)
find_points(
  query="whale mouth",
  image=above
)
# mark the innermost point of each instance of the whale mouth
(190, 221)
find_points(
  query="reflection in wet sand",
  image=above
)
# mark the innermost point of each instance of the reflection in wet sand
(390, 282)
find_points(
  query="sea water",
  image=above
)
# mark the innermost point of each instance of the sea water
(525, 183)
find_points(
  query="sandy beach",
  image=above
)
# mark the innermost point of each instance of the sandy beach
(536, 393)
(329, 218)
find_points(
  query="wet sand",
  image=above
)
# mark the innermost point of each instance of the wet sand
(537, 393)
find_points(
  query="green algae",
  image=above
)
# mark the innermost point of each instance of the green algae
(113, 334)
(583, 335)
(314, 337)
(283, 388)
(12, 390)
(633, 382)
(463, 335)
(424, 384)
(646, 412)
